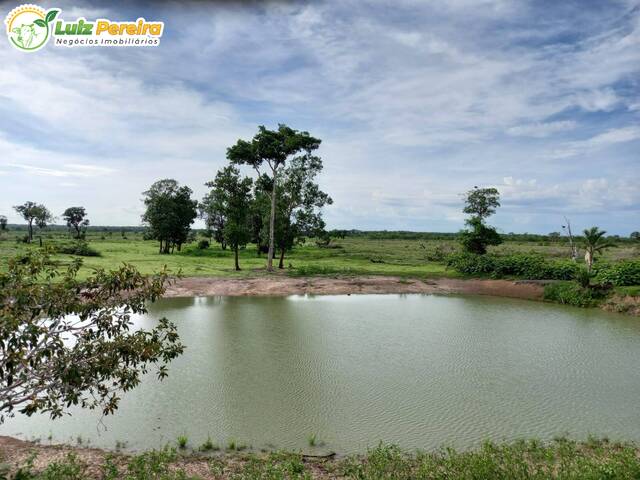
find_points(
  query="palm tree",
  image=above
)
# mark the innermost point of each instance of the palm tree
(594, 242)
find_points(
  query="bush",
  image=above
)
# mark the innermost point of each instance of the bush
(477, 238)
(621, 274)
(78, 248)
(533, 267)
(570, 294)
(203, 244)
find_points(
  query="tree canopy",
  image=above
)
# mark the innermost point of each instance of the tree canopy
(64, 342)
(271, 148)
(230, 198)
(76, 220)
(481, 202)
(594, 242)
(34, 213)
(170, 211)
(298, 203)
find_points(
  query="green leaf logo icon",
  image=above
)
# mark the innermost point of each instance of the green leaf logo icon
(51, 15)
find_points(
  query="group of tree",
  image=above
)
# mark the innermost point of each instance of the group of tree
(39, 215)
(276, 210)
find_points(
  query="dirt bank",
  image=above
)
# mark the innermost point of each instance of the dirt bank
(15, 454)
(283, 285)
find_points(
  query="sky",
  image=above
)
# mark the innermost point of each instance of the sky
(415, 101)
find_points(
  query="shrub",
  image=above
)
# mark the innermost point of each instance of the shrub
(583, 277)
(81, 249)
(570, 294)
(477, 238)
(621, 274)
(203, 244)
(534, 267)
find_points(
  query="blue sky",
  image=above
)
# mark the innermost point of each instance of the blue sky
(415, 101)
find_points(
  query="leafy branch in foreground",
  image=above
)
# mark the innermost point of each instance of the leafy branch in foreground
(64, 342)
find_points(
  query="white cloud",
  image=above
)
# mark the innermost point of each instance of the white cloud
(540, 130)
(602, 140)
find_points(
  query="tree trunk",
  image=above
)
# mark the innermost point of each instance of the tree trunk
(272, 224)
(160, 251)
(588, 258)
(281, 264)
(236, 256)
(30, 230)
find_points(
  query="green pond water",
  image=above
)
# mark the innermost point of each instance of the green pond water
(419, 371)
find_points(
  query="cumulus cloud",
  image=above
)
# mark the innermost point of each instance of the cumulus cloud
(414, 107)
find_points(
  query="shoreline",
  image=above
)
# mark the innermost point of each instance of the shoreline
(281, 285)
(566, 457)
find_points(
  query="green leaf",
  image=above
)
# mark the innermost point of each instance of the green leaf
(39, 22)
(51, 15)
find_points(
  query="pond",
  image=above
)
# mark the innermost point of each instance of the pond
(416, 370)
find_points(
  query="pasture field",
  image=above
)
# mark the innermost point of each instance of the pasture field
(353, 255)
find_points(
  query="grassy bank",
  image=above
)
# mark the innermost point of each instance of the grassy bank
(560, 459)
(359, 255)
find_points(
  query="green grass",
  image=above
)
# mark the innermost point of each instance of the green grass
(521, 460)
(182, 441)
(409, 258)
(208, 446)
(630, 291)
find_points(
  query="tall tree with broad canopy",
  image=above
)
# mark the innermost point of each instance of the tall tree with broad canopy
(64, 342)
(232, 196)
(594, 242)
(298, 203)
(480, 203)
(273, 148)
(169, 214)
(76, 220)
(34, 213)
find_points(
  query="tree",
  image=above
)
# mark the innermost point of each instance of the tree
(64, 342)
(76, 220)
(480, 203)
(273, 148)
(213, 215)
(34, 212)
(299, 200)
(231, 195)
(3, 223)
(594, 242)
(554, 236)
(169, 214)
(633, 236)
(572, 245)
